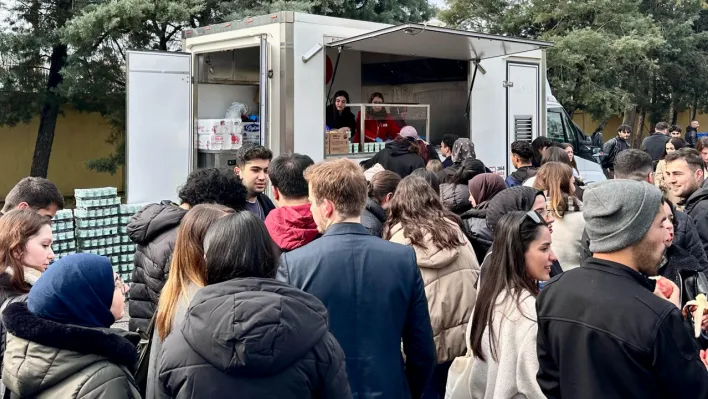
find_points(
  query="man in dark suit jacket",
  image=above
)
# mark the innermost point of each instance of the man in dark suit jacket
(372, 289)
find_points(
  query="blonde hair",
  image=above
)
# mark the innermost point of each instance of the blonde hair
(556, 180)
(188, 264)
(434, 165)
(340, 181)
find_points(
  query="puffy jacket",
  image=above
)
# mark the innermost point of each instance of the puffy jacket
(449, 276)
(396, 158)
(519, 176)
(375, 297)
(567, 239)
(655, 145)
(253, 338)
(291, 227)
(480, 236)
(154, 230)
(45, 359)
(7, 294)
(455, 197)
(373, 217)
(697, 208)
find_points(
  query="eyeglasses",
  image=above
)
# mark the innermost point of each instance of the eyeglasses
(534, 216)
(118, 282)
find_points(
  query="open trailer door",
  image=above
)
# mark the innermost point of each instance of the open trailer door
(426, 41)
(159, 140)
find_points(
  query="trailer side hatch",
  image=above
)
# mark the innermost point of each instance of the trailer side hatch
(415, 40)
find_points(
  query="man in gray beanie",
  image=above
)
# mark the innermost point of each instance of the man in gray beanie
(602, 331)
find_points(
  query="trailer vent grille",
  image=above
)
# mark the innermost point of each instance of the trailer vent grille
(523, 127)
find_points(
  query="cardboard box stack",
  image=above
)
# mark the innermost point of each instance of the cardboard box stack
(336, 142)
(63, 231)
(98, 222)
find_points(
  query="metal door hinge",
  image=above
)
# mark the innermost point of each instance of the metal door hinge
(270, 74)
(507, 84)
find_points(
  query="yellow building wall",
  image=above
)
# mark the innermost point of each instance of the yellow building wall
(588, 125)
(79, 137)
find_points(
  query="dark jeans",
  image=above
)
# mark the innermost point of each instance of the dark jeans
(436, 386)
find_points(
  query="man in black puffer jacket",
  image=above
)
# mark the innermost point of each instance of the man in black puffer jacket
(154, 230)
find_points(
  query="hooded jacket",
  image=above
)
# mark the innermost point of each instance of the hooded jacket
(373, 217)
(449, 276)
(396, 158)
(254, 338)
(519, 176)
(291, 227)
(45, 359)
(697, 208)
(154, 230)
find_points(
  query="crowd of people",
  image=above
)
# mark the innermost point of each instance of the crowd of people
(370, 281)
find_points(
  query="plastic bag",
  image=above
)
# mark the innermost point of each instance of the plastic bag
(236, 110)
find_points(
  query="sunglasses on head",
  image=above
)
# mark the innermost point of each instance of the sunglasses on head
(534, 217)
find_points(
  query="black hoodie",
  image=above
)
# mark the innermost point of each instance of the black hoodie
(154, 229)
(253, 338)
(397, 158)
(697, 208)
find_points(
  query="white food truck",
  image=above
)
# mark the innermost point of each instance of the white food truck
(283, 67)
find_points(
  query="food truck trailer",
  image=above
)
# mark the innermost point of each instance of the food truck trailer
(281, 68)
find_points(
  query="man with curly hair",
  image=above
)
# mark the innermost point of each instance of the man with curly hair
(252, 163)
(154, 230)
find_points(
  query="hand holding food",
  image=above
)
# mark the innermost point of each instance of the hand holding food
(698, 307)
(664, 286)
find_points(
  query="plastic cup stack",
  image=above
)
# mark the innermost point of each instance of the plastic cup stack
(64, 242)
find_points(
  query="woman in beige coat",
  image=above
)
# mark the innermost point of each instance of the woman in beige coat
(447, 263)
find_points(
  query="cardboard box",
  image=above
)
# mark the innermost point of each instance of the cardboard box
(338, 146)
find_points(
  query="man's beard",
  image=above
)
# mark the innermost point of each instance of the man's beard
(646, 259)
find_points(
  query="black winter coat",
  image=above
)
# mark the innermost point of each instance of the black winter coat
(455, 197)
(684, 270)
(655, 145)
(602, 333)
(373, 217)
(374, 293)
(691, 137)
(396, 158)
(697, 208)
(476, 230)
(253, 338)
(154, 230)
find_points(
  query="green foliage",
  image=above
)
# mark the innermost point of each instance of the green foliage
(608, 55)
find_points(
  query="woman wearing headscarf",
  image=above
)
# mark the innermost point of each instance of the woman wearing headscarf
(454, 192)
(338, 114)
(461, 150)
(59, 343)
(482, 189)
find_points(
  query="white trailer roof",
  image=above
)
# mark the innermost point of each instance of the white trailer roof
(437, 42)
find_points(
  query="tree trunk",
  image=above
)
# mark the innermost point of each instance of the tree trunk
(630, 115)
(602, 125)
(49, 115)
(694, 107)
(640, 130)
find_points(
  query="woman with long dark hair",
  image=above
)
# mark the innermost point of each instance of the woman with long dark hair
(568, 148)
(247, 334)
(187, 276)
(381, 189)
(504, 324)
(338, 115)
(556, 180)
(378, 123)
(447, 264)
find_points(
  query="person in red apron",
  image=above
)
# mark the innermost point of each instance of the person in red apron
(378, 123)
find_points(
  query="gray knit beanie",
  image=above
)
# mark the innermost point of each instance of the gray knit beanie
(619, 213)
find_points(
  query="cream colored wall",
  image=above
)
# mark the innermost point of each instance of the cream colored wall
(587, 124)
(79, 137)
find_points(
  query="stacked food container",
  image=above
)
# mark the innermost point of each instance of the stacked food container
(63, 231)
